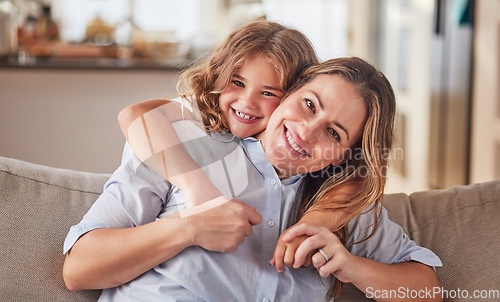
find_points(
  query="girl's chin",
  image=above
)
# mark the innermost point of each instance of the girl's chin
(240, 133)
(243, 131)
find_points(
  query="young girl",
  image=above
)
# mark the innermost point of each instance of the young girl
(235, 90)
(133, 235)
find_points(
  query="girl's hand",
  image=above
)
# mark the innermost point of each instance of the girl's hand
(219, 226)
(285, 251)
(340, 262)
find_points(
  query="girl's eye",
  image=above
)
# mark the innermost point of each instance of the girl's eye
(310, 105)
(334, 134)
(238, 83)
(267, 93)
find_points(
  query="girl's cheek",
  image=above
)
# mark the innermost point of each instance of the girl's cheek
(225, 114)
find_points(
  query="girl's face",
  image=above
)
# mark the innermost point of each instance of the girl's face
(251, 97)
(314, 126)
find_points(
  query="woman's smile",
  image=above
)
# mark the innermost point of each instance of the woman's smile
(294, 145)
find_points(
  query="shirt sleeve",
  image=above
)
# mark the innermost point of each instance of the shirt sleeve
(133, 196)
(389, 244)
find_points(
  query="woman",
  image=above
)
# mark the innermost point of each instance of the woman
(339, 109)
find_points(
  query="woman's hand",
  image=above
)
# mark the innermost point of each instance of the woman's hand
(337, 260)
(287, 245)
(284, 254)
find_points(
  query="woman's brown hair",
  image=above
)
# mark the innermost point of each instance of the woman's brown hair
(288, 49)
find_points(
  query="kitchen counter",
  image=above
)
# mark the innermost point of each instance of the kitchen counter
(90, 63)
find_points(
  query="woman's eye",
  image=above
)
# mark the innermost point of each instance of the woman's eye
(334, 134)
(310, 105)
(267, 93)
(238, 83)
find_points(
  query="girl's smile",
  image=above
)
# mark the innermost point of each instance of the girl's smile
(243, 117)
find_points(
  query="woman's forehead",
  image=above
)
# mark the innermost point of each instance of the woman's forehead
(329, 87)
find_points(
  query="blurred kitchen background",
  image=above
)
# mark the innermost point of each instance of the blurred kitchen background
(68, 66)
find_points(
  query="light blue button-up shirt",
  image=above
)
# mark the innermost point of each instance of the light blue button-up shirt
(135, 196)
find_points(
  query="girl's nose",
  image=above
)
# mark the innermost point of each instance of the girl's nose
(248, 99)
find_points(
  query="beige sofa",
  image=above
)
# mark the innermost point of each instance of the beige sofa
(38, 204)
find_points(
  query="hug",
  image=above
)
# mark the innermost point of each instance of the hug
(252, 184)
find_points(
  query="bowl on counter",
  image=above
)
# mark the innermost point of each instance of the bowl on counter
(165, 49)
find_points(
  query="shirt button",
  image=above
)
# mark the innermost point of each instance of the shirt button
(273, 182)
(270, 223)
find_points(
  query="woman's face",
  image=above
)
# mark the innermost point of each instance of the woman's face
(314, 126)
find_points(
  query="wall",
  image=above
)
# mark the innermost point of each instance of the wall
(324, 22)
(485, 150)
(67, 118)
(396, 37)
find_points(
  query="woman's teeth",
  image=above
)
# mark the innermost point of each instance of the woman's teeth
(294, 144)
(244, 116)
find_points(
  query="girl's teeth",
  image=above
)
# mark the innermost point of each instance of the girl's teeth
(244, 116)
(293, 144)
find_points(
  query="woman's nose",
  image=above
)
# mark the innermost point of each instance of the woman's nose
(309, 131)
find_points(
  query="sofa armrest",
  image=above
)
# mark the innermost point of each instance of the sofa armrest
(460, 225)
(38, 204)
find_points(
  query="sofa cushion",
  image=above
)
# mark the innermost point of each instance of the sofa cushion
(38, 206)
(460, 225)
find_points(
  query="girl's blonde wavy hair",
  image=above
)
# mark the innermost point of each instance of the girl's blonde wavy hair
(288, 49)
(365, 168)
